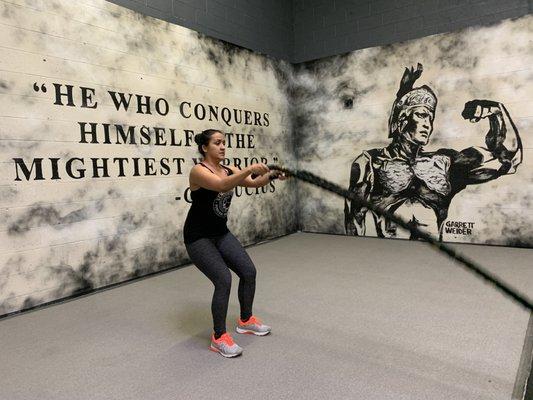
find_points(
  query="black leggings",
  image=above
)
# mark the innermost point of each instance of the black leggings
(215, 257)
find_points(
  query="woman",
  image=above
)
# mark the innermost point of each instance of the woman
(212, 247)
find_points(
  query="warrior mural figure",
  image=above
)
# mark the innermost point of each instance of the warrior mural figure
(418, 185)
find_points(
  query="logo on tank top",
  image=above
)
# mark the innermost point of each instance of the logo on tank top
(221, 204)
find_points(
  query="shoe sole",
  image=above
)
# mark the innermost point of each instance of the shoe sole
(249, 332)
(214, 349)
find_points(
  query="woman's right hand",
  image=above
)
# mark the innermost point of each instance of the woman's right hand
(258, 169)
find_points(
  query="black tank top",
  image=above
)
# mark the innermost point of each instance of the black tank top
(207, 216)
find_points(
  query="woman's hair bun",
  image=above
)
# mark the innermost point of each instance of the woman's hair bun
(203, 138)
(198, 138)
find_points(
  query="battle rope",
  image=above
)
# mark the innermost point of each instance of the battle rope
(469, 264)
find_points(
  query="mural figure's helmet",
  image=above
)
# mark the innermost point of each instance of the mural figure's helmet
(408, 98)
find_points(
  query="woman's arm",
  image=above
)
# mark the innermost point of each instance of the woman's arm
(201, 176)
(259, 181)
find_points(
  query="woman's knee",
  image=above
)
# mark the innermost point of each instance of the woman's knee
(249, 273)
(223, 281)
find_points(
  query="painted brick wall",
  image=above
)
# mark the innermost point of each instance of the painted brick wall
(83, 206)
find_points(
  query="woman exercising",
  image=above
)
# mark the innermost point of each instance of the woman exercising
(212, 247)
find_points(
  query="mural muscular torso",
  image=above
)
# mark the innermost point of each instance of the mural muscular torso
(405, 186)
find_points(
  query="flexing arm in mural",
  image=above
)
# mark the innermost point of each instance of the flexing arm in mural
(404, 178)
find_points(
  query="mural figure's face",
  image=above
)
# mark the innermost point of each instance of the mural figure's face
(216, 148)
(419, 125)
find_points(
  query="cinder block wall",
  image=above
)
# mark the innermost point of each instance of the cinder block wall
(304, 30)
(327, 27)
(262, 26)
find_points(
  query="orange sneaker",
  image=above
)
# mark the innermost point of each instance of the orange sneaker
(225, 346)
(253, 326)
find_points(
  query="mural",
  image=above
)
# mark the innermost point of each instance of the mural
(403, 175)
(453, 155)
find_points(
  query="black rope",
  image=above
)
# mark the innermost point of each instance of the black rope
(436, 243)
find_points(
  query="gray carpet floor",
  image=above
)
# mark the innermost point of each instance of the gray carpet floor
(353, 318)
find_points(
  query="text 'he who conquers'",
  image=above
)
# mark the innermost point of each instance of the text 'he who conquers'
(142, 104)
(104, 133)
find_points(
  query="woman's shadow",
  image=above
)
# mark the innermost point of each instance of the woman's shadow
(192, 324)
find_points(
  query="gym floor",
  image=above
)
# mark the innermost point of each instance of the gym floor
(357, 318)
